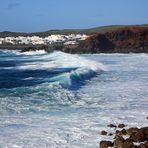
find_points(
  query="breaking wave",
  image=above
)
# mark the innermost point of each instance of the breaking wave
(60, 68)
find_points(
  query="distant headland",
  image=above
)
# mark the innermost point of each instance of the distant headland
(107, 39)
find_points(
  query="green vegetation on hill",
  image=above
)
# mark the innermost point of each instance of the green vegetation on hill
(69, 31)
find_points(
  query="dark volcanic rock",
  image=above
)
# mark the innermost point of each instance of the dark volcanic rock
(143, 145)
(133, 135)
(122, 132)
(37, 47)
(137, 137)
(132, 130)
(112, 126)
(103, 133)
(128, 144)
(145, 131)
(119, 140)
(121, 125)
(110, 134)
(106, 144)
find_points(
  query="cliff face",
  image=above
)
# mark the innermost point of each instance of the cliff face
(132, 39)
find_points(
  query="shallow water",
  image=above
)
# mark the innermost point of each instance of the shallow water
(60, 100)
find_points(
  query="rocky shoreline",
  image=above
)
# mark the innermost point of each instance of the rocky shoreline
(124, 137)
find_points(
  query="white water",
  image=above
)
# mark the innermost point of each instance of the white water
(45, 111)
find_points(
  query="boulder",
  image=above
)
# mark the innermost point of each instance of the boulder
(106, 144)
(121, 125)
(112, 125)
(103, 133)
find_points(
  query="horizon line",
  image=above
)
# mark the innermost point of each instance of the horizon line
(62, 29)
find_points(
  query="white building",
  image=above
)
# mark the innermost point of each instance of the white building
(36, 40)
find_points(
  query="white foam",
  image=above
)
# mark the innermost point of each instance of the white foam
(37, 52)
(61, 60)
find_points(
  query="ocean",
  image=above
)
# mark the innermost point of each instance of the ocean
(59, 100)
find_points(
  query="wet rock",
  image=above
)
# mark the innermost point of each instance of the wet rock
(128, 144)
(106, 144)
(112, 126)
(133, 135)
(137, 137)
(110, 134)
(132, 130)
(143, 145)
(103, 133)
(119, 141)
(117, 132)
(123, 131)
(121, 125)
(144, 130)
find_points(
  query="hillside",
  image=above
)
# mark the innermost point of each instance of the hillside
(89, 31)
(125, 40)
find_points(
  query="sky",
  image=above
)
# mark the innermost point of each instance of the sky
(43, 15)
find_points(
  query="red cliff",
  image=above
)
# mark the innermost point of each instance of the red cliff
(131, 39)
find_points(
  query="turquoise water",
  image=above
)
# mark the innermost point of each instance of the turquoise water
(62, 100)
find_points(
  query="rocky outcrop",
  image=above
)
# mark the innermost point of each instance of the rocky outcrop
(130, 39)
(127, 138)
(36, 48)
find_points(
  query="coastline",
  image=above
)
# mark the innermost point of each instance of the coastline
(73, 49)
(118, 40)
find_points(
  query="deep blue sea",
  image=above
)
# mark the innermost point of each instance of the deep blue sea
(60, 100)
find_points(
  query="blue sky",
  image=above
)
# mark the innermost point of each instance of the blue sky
(42, 15)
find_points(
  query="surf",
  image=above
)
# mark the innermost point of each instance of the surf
(57, 68)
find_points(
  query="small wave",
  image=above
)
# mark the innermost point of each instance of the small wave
(18, 52)
(9, 52)
(37, 52)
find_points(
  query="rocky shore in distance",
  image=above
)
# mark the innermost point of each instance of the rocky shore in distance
(123, 40)
(131, 39)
